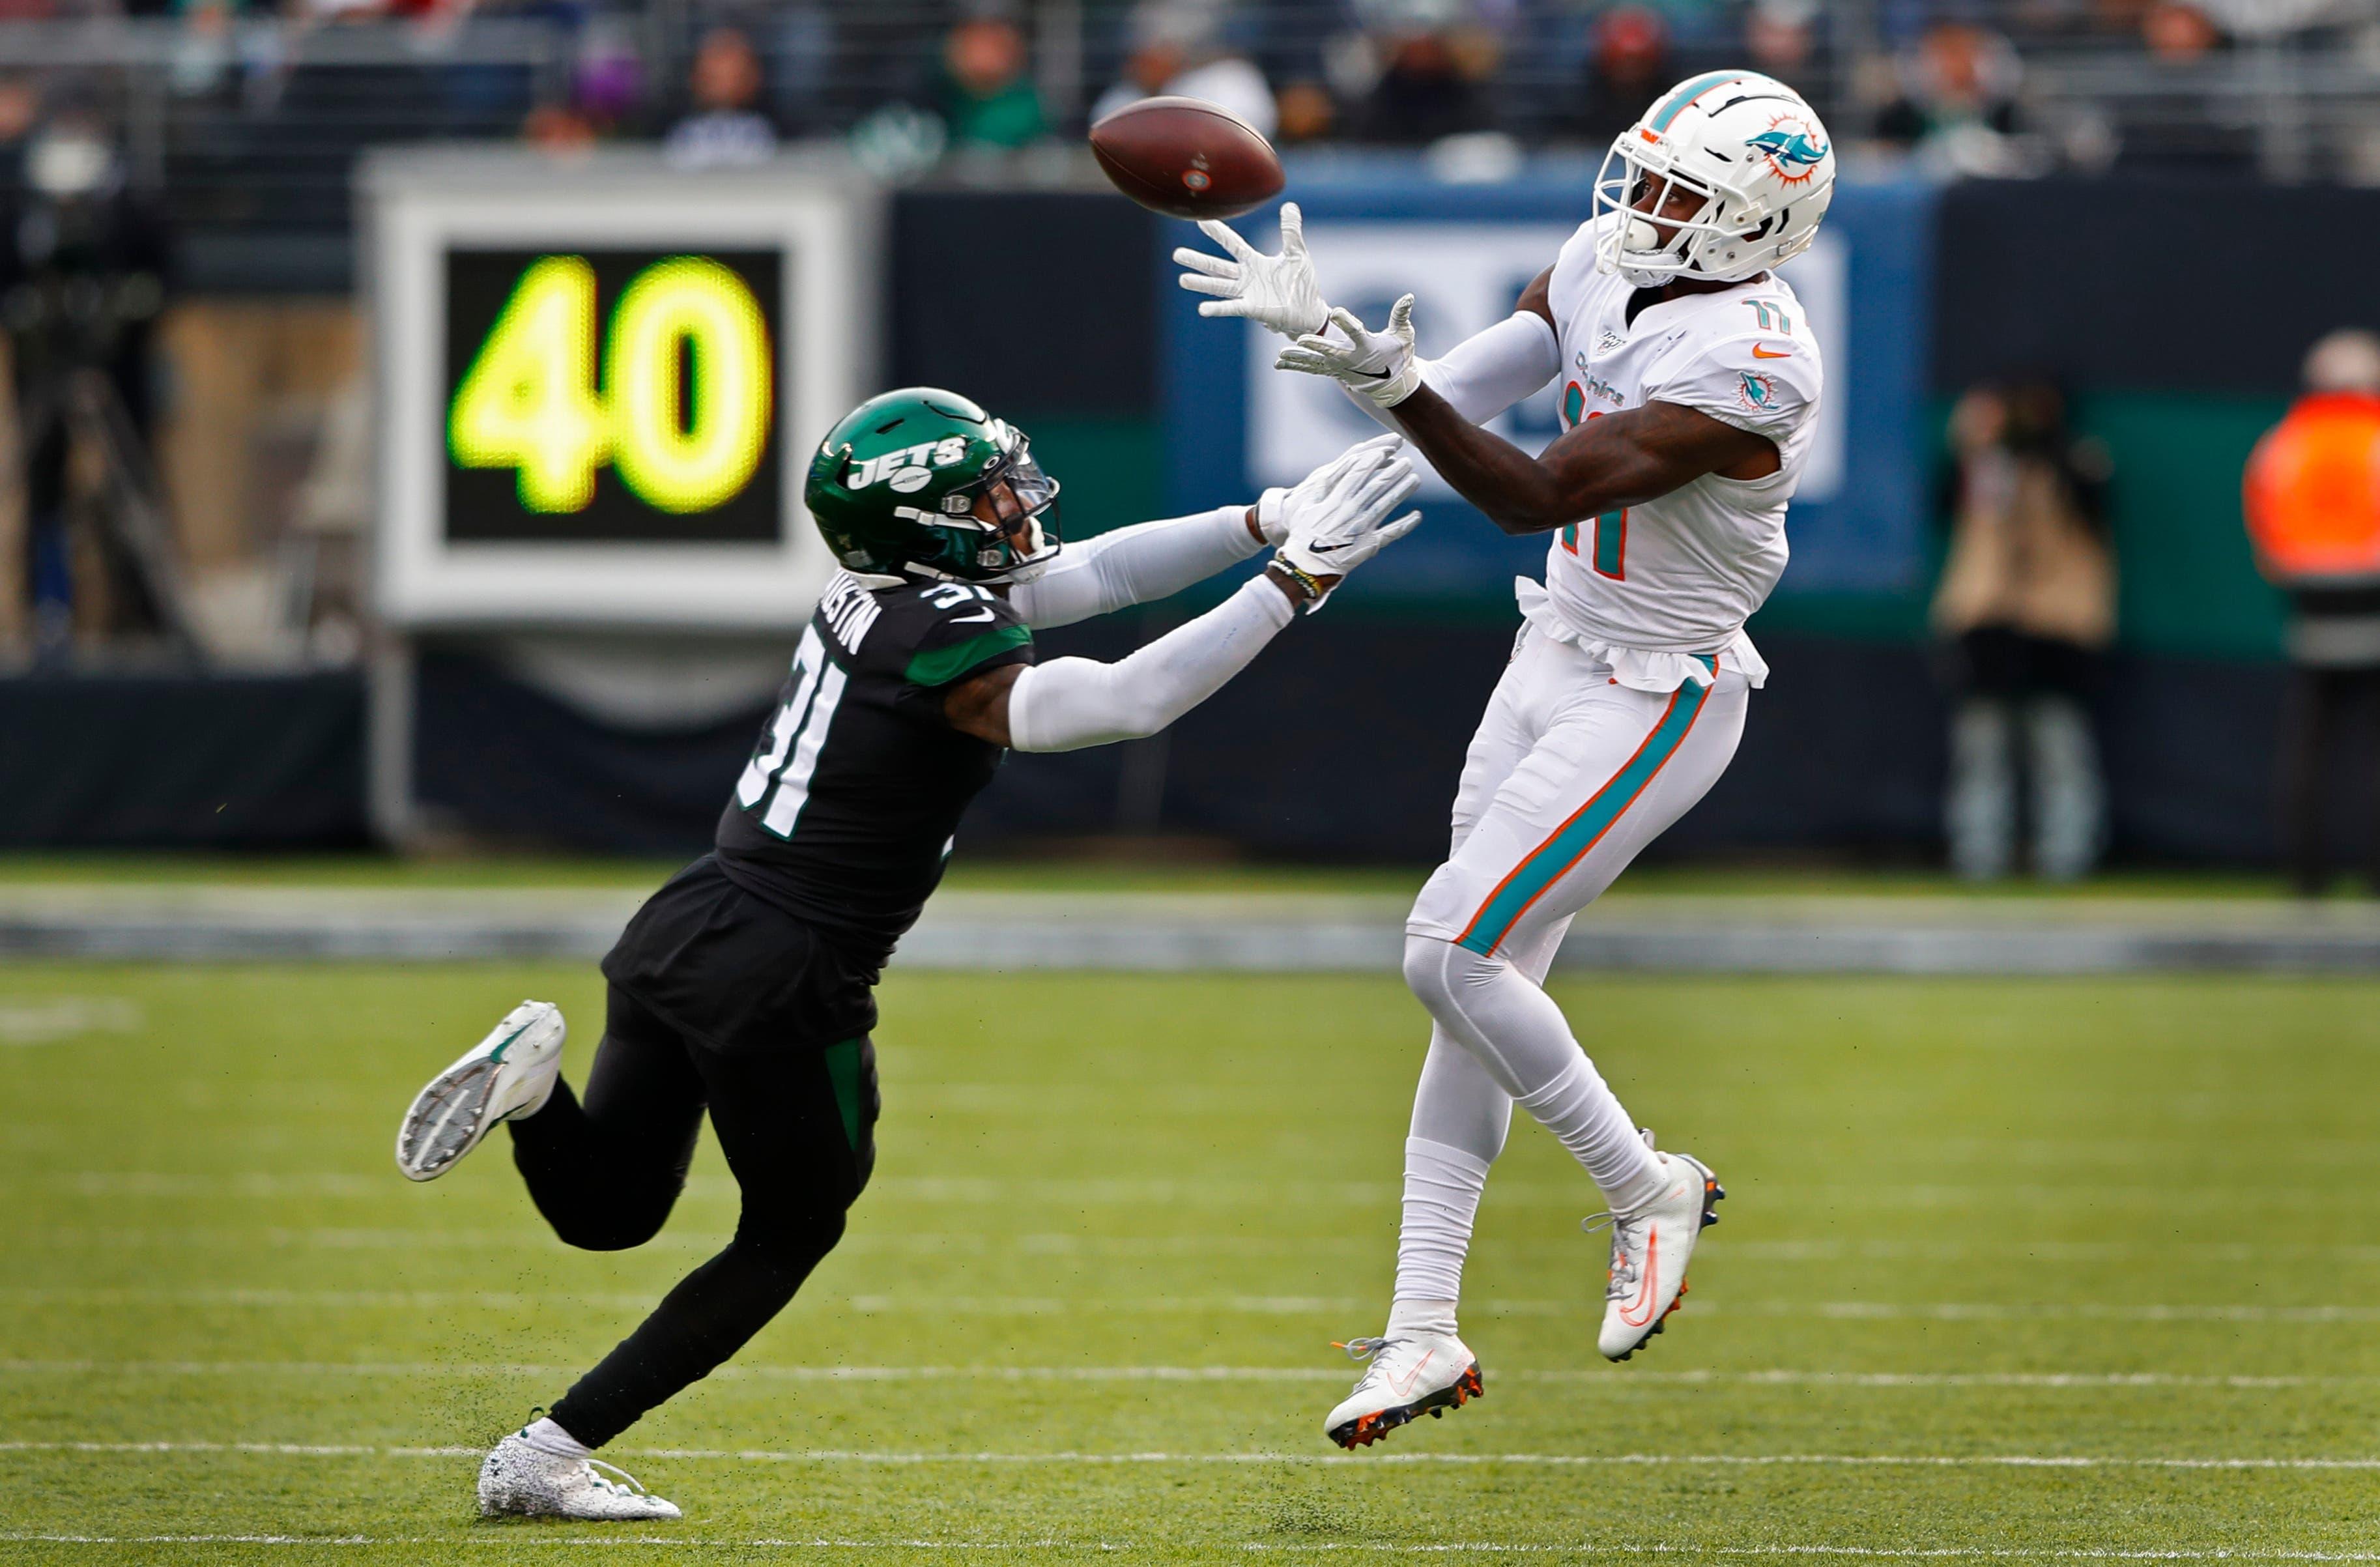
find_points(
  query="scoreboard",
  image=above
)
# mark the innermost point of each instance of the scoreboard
(600, 385)
(614, 395)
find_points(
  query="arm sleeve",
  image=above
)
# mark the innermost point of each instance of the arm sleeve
(1507, 364)
(1488, 371)
(1132, 565)
(1067, 704)
(1746, 383)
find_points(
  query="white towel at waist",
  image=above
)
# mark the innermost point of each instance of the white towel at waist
(1639, 669)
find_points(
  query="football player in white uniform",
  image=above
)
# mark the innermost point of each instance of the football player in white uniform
(1690, 382)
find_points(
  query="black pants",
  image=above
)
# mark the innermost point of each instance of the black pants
(2326, 708)
(796, 1125)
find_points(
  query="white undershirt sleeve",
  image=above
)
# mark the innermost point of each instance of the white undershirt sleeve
(1134, 566)
(1067, 704)
(1490, 371)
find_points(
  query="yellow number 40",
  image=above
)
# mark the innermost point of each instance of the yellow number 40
(529, 402)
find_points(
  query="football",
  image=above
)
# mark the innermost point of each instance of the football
(1187, 158)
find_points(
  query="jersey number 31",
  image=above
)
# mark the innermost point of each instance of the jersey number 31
(788, 756)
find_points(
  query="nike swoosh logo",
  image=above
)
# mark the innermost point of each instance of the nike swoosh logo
(498, 1053)
(1332, 548)
(1760, 353)
(1404, 1386)
(1631, 1314)
(970, 619)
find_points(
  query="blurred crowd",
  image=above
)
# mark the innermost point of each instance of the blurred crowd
(223, 112)
(1999, 87)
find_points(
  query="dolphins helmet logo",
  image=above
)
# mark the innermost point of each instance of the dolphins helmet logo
(1792, 149)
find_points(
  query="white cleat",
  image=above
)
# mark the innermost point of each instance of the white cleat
(1407, 1377)
(522, 1481)
(509, 1073)
(1650, 1249)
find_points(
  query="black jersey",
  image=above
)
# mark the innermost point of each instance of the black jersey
(845, 813)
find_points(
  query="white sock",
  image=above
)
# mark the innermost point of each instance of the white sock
(1505, 1018)
(546, 1437)
(1443, 1187)
(1586, 1118)
(1421, 1319)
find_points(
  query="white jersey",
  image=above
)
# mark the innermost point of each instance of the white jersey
(1681, 574)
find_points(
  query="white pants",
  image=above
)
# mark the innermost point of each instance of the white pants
(1569, 775)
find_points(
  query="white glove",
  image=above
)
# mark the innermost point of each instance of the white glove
(1274, 506)
(1344, 521)
(1381, 366)
(1278, 293)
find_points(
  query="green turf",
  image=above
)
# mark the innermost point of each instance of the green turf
(1970, 1222)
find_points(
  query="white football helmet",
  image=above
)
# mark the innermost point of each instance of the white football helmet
(1750, 147)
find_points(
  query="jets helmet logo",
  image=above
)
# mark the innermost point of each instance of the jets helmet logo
(1792, 149)
(906, 470)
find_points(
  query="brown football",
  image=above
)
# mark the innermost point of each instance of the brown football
(1186, 157)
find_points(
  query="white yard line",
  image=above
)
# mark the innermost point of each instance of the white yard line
(1073, 1193)
(1856, 1552)
(1253, 1305)
(1613, 1379)
(566, 1541)
(2025, 1553)
(1058, 1244)
(1102, 1460)
(500, 1300)
(974, 1243)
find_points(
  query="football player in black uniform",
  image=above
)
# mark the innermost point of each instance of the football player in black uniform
(744, 986)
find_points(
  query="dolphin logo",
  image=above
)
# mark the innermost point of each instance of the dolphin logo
(1791, 149)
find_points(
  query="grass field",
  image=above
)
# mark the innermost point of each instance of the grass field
(2018, 1271)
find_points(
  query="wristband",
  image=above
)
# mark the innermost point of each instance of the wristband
(1307, 583)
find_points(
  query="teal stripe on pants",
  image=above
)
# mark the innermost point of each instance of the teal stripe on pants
(1573, 838)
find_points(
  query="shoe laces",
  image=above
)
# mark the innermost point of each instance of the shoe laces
(611, 1476)
(1627, 1240)
(1374, 1350)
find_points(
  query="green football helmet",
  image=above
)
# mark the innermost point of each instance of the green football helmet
(923, 482)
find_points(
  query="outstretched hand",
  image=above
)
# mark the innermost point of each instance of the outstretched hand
(1275, 507)
(1279, 293)
(1341, 516)
(1380, 366)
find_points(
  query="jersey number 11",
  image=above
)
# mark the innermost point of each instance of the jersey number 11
(1609, 556)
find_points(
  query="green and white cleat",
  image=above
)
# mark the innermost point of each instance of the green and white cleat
(521, 1481)
(509, 1073)
(1650, 1249)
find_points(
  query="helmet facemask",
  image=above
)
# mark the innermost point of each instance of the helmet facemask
(1708, 244)
(1015, 504)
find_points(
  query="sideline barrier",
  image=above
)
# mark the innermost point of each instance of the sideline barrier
(1268, 933)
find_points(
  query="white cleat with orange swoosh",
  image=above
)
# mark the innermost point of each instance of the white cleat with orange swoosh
(1408, 1376)
(1650, 1249)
